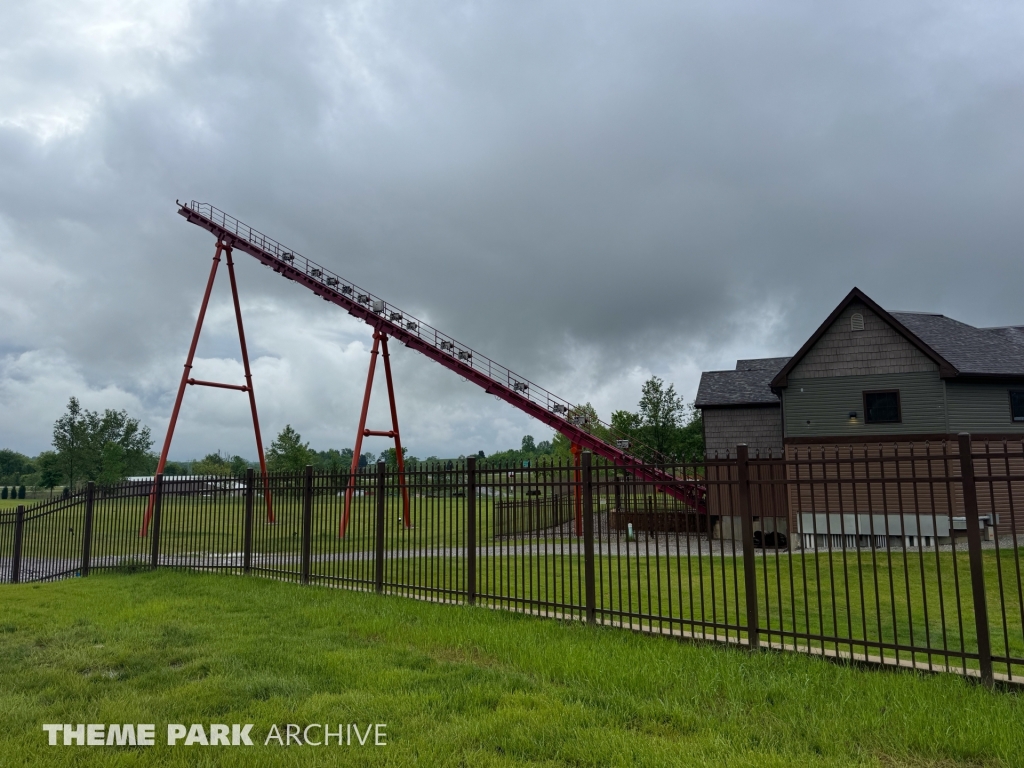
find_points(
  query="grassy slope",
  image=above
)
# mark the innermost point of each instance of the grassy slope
(458, 686)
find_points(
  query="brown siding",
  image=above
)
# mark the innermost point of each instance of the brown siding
(759, 428)
(768, 495)
(878, 349)
(864, 478)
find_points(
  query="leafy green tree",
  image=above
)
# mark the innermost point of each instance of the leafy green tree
(561, 448)
(692, 436)
(212, 464)
(626, 426)
(661, 411)
(113, 464)
(333, 460)
(103, 447)
(70, 439)
(528, 445)
(174, 468)
(49, 469)
(390, 457)
(239, 466)
(13, 464)
(664, 426)
(288, 453)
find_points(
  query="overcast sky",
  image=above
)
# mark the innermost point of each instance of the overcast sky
(588, 192)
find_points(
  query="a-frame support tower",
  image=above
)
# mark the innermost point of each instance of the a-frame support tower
(187, 380)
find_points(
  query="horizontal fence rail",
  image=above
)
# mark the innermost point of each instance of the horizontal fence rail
(896, 554)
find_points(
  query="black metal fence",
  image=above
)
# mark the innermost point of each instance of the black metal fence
(895, 554)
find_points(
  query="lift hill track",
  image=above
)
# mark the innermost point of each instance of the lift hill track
(493, 378)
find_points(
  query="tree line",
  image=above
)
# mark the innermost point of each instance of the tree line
(110, 446)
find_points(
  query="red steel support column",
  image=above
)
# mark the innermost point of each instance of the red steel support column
(248, 384)
(181, 386)
(394, 427)
(359, 436)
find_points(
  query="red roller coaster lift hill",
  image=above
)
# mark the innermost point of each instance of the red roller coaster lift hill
(388, 320)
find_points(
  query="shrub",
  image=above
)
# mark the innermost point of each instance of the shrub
(3, 493)
(21, 492)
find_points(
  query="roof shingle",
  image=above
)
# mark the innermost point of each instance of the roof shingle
(972, 351)
(749, 384)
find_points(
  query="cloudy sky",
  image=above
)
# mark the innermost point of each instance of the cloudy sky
(588, 192)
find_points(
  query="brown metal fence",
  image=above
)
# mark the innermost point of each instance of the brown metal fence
(900, 555)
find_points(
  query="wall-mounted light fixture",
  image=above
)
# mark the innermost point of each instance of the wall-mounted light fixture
(853, 415)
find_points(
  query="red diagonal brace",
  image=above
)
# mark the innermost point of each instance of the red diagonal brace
(379, 339)
(400, 459)
(186, 380)
(252, 394)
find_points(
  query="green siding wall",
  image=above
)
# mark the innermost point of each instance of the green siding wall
(826, 403)
(981, 408)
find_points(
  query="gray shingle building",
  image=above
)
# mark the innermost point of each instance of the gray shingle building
(739, 406)
(866, 373)
(868, 376)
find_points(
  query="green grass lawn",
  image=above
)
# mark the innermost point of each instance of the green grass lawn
(873, 596)
(888, 598)
(456, 685)
(13, 503)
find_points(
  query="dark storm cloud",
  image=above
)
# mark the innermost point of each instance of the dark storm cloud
(586, 192)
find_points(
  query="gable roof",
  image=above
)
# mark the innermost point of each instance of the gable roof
(749, 384)
(973, 351)
(946, 368)
(772, 364)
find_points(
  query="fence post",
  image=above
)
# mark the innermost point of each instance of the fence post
(588, 537)
(158, 504)
(747, 531)
(90, 495)
(471, 530)
(250, 486)
(378, 557)
(974, 553)
(19, 539)
(307, 523)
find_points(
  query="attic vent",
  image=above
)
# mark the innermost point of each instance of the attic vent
(857, 322)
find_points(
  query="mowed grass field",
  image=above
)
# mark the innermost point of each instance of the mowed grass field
(455, 685)
(912, 598)
(13, 503)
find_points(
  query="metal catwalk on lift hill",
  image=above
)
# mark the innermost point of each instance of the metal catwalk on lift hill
(557, 412)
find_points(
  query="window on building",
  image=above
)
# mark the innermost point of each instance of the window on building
(882, 407)
(1017, 405)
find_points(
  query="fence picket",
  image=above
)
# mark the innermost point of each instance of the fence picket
(90, 495)
(471, 530)
(588, 538)
(977, 565)
(747, 532)
(378, 548)
(154, 554)
(307, 525)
